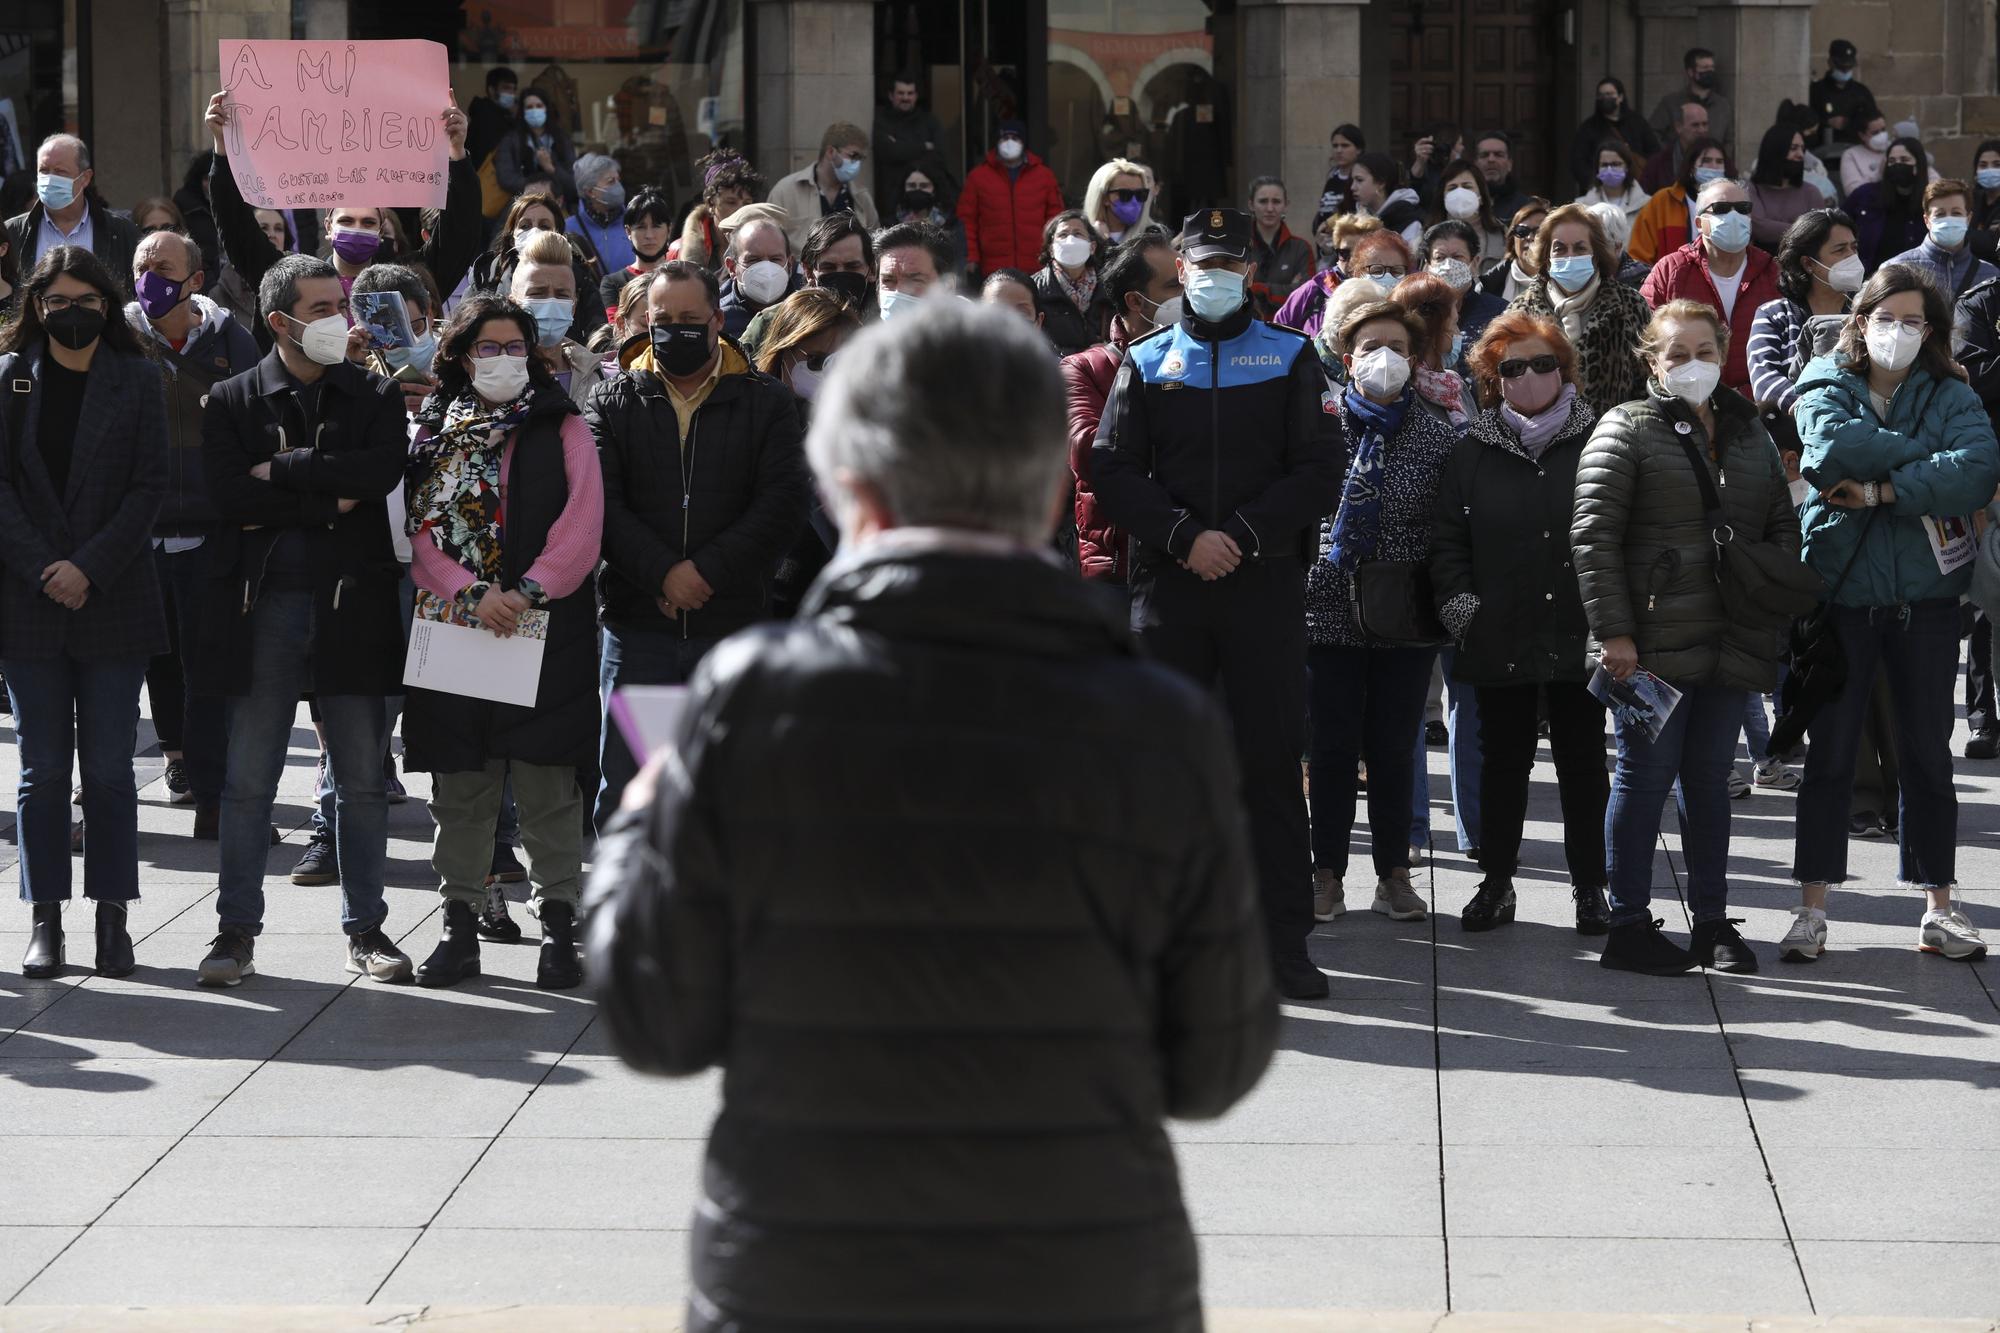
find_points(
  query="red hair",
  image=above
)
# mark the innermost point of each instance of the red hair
(1507, 329)
(1373, 241)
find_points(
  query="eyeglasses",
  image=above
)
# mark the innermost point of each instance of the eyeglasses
(52, 305)
(1130, 196)
(1888, 323)
(1514, 369)
(1384, 271)
(1716, 210)
(487, 350)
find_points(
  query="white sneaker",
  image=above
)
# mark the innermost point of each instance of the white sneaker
(1806, 940)
(1950, 934)
(1774, 774)
(1329, 899)
(1395, 899)
(1739, 786)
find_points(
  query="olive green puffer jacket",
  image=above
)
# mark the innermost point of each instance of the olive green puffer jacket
(1645, 561)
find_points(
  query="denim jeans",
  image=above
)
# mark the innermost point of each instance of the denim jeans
(1366, 702)
(1461, 718)
(634, 657)
(89, 711)
(392, 710)
(1756, 728)
(1697, 746)
(187, 714)
(260, 729)
(1916, 649)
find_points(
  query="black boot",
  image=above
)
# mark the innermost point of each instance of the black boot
(1295, 975)
(1492, 905)
(44, 958)
(114, 942)
(1719, 945)
(1640, 947)
(1593, 913)
(456, 957)
(559, 968)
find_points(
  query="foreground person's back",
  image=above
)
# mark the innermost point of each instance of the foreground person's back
(955, 889)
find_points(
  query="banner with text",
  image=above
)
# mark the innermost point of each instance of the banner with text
(320, 124)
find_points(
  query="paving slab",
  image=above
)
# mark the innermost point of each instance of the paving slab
(488, 1018)
(1670, 1107)
(1311, 1189)
(307, 1181)
(1669, 1193)
(26, 1250)
(593, 1098)
(1912, 1192)
(367, 1099)
(1303, 1099)
(1317, 1272)
(1585, 1274)
(580, 1185)
(249, 1265)
(469, 1266)
(137, 1022)
(149, 1097)
(1921, 1278)
(70, 1179)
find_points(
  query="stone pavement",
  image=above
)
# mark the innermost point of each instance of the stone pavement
(1471, 1124)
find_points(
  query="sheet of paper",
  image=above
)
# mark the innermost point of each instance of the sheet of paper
(1952, 542)
(452, 655)
(647, 715)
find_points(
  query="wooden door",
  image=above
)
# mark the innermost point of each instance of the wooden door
(1479, 65)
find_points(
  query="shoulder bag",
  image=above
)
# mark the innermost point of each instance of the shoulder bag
(1763, 585)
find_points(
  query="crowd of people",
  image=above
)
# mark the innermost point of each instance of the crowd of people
(1723, 431)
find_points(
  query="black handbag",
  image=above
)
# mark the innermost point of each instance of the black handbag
(1394, 606)
(1763, 585)
(1818, 670)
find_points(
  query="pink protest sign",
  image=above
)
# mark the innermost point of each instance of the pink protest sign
(319, 124)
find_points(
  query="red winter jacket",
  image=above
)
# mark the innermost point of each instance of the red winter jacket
(1004, 218)
(1683, 275)
(1087, 377)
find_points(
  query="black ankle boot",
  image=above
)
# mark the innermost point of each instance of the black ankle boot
(558, 968)
(1593, 913)
(1718, 944)
(114, 942)
(1492, 905)
(1640, 947)
(44, 958)
(456, 957)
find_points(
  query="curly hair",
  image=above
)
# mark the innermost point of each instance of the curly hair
(1501, 334)
(1431, 301)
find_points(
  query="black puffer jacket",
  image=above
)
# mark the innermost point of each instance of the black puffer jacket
(951, 1032)
(1645, 561)
(1500, 557)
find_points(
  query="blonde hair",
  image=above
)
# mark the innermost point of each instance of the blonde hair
(1100, 185)
(1653, 342)
(1347, 298)
(807, 311)
(547, 247)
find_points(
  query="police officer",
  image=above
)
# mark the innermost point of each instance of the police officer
(1842, 102)
(1217, 452)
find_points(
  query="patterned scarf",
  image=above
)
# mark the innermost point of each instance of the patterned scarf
(1357, 524)
(1080, 291)
(454, 491)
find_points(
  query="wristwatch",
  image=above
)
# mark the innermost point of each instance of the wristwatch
(1871, 494)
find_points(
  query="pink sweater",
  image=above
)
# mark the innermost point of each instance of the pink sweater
(570, 554)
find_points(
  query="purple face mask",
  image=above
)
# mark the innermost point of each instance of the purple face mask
(1127, 211)
(356, 246)
(159, 295)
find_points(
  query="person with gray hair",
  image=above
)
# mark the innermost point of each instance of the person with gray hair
(599, 219)
(1056, 903)
(68, 211)
(1722, 270)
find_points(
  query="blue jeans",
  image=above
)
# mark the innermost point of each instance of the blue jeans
(1365, 704)
(1462, 724)
(66, 708)
(1697, 746)
(1916, 648)
(634, 657)
(260, 729)
(392, 709)
(1757, 727)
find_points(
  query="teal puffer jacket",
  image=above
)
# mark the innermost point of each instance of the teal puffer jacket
(1937, 448)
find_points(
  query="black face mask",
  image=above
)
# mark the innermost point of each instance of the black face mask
(849, 287)
(681, 349)
(654, 257)
(1705, 79)
(75, 328)
(1902, 175)
(918, 201)
(1795, 173)
(1607, 107)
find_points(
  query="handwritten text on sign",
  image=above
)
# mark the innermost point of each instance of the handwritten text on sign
(320, 124)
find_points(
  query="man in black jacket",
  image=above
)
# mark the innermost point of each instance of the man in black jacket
(1216, 452)
(1975, 344)
(705, 490)
(68, 211)
(301, 453)
(978, 869)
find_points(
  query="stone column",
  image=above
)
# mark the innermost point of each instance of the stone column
(1301, 73)
(193, 27)
(814, 64)
(1764, 48)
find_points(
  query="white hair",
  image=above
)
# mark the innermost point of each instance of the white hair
(1617, 225)
(67, 141)
(1714, 187)
(954, 414)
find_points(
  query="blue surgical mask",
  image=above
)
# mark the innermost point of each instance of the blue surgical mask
(1386, 281)
(612, 197)
(1703, 175)
(1988, 178)
(506, 100)
(891, 305)
(1949, 233)
(55, 191)
(847, 169)
(1457, 348)
(1729, 231)
(1841, 75)
(536, 116)
(553, 316)
(1572, 273)
(420, 356)
(1214, 293)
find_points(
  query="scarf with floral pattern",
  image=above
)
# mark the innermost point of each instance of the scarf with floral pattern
(454, 487)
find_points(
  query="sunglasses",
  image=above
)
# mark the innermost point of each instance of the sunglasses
(1541, 365)
(1522, 233)
(1717, 210)
(1131, 196)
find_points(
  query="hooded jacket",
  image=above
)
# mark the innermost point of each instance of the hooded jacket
(217, 348)
(732, 496)
(1004, 210)
(1936, 447)
(949, 1037)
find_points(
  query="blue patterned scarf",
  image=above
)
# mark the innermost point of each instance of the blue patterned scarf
(1357, 524)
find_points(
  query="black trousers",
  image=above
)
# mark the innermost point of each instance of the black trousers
(1244, 636)
(1507, 720)
(1979, 677)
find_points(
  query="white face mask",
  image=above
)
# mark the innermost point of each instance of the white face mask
(1461, 202)
(806, 380)
(1071, 251)
(1693, 381)
(1893, 347)
(1879, 141)
(1847, 275)
(1381, 373)
(1169, 311)
(499, 379)
(523, 235)
(323, 340)
(764, 281)
(1011, 149)
(1456, 273)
